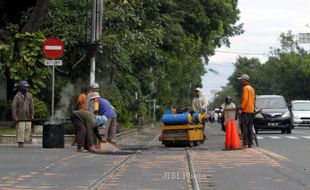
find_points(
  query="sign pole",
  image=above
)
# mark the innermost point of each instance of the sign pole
(53, 48)
(53, 91)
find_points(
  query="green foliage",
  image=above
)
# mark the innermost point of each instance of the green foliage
(28, 62)
(8, 131)
(286, 72)
(4, 49)
(67, 20)
(41, 109)
(153, 48)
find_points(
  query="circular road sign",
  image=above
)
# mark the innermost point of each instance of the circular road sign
(52, 48)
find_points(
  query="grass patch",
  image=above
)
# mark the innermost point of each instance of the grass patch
(7, 131)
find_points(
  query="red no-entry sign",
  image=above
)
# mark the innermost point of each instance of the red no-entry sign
(52, 48)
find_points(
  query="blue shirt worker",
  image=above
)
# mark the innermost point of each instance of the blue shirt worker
(106, 109)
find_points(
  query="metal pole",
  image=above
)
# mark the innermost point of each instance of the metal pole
(53, 91)
(150, 109)
(92, 69)
(154, 109)
(96, 33)
(93, 39)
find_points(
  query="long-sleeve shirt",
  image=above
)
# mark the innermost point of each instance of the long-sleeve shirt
(81, 102)
(199, 104)
(106, 109)
(248, 99)
(89, 120)
(22, 107)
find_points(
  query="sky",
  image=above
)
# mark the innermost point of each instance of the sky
(264, 21)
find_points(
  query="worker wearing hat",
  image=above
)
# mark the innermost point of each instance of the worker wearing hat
(247, 110)
(23, 113)
(200, 102)
(92, 103)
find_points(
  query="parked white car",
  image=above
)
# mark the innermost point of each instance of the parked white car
(300, 110)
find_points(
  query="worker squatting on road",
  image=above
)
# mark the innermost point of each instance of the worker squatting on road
(86, 124)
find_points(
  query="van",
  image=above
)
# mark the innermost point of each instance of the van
(274, 114)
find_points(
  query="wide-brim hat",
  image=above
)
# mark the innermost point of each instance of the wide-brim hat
(94, 95)
(198, 89)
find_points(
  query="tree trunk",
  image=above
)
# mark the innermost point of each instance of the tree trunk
(36, 17)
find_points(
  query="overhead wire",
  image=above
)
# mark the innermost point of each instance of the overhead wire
(241, 53)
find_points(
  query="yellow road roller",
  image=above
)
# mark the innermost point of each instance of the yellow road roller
(182, 129)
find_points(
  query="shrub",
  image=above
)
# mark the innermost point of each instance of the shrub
(41, 109)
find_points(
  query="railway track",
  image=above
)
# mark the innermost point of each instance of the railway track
(106, 176)
(157, 161)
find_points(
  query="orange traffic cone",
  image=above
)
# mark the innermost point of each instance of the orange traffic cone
(235, 139)
(228, 135)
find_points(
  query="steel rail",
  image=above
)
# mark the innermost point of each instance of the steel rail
(192, 171)
(116, 167)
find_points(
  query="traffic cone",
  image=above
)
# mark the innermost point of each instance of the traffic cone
(228, 135)
(235, 139)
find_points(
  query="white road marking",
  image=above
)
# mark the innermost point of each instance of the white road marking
(278, 137)
(299, 132)
(291, 137)
(274, 137)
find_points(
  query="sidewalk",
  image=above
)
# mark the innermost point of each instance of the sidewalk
(34, 167)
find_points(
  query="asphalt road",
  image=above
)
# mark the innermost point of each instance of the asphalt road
(279, 163)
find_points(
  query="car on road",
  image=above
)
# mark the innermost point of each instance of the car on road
(300, 111)
(274, 114)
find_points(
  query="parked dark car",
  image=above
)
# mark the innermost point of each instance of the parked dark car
(274, 114)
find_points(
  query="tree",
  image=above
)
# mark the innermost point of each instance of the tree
(152, 47)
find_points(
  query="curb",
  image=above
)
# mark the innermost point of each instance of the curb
(37, 139)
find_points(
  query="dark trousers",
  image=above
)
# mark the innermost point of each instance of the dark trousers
(80, 132)
(110, 130)
(246, 126)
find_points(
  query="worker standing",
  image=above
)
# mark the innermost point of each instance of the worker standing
(23, 113)
(200, 102)
(229, 111)
(247, 110)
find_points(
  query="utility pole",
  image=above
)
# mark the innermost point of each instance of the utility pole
(96, 33)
